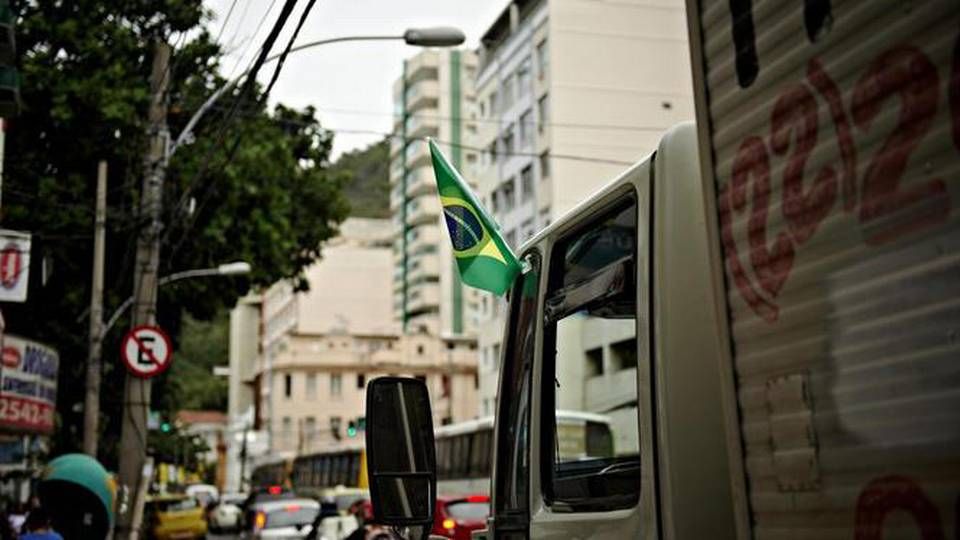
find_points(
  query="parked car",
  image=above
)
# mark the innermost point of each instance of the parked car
(264, 494)
(204, 493)
(227, 514)
(174, 517)
(456, 517)
(288, 518)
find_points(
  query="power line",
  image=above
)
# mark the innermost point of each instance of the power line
(496, 120)
(286, 51)
(393, 135)
(226, 20)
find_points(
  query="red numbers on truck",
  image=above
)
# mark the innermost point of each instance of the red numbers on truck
(885, 210)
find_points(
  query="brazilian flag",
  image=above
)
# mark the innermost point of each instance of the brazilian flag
(484, 259)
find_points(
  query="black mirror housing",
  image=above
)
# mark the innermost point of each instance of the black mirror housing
(401, 456)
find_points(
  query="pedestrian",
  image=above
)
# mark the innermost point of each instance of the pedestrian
(38, 527)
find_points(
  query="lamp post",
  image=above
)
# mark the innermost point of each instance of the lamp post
(91, 411)
(440, 36)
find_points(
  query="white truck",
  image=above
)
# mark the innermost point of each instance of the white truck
(768, 307)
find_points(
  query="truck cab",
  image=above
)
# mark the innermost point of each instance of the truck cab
(614, 315)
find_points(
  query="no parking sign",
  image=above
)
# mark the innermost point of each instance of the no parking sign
(146, 351)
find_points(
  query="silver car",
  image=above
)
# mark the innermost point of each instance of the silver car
(286, 519)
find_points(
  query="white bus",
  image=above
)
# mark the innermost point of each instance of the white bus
(464, 450)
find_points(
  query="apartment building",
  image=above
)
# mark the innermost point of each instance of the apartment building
(433, 98)
(569, 93)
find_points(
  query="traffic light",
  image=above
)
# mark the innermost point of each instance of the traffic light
(351, 429)
(9, 78)
(165, 427)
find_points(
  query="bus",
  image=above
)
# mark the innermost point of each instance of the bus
(464, 450)
(316, 473)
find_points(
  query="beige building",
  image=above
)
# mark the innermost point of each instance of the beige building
(319, 348)
(433, 98)
(569, 93)
(319, 383)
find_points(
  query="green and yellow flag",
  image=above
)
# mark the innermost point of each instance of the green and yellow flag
(484, 259)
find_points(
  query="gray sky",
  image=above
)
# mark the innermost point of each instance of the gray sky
(349, 83)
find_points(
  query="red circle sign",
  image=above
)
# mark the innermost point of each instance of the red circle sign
(146, 351)
(11, 264)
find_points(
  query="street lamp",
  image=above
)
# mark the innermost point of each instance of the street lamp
(226, 269)
(439, 36)
(91, 410)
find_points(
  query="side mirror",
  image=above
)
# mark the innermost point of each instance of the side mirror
(401, 458)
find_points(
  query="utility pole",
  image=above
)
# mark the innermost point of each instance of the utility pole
(91, 406)
(136, 403)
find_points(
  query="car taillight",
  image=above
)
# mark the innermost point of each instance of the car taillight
(259, 521)
(292, 507)
(449, 524)
(273, 490)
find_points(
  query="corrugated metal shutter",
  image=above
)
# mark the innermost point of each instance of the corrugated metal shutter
(834, 130)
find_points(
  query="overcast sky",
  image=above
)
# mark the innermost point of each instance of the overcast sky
(349, 83)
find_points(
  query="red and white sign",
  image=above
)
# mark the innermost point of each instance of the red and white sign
(14, 265)
(147, 351)
(28, 385)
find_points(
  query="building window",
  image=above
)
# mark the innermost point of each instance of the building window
(508, 189)
(336, 384)
(311, 385)
(361, 381)
(523, 76)
(526, 128)
(286, 429)
(420, 350)
(508, 140)
(545, 217)
(495, 201)
(507, 93)
(543, 110)
(543, 59)
(335, 422)
(493, 104)
(445, 384)
(309, 428)
(545, 165)
(526, 184)
(287, 385)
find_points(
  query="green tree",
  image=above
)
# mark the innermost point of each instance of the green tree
(255, 185)
(190, 383)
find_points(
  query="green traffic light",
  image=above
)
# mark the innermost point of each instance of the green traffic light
(351, 430)
(165, 427)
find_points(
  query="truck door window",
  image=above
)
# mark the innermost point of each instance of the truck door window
(591, 441)
(512, 504)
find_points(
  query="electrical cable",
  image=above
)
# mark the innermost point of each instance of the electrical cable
(226, 20)
(286, 51)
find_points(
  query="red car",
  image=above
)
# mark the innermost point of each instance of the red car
(457, 516)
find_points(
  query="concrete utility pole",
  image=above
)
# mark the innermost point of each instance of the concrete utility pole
(136, 403)
(91, 406)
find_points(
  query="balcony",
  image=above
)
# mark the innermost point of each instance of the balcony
(610, 390)
(421, 67)
(421, 126)
(424, 94)
(422, 266)
(423, 209)
(422, 297)
(420, 181)
(417, 153)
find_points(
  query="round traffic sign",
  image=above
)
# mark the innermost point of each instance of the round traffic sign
(146, 351)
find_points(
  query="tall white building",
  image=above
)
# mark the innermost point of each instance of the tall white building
(433, 98)
(569, 93)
